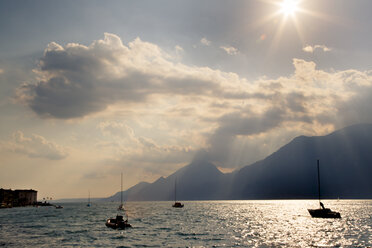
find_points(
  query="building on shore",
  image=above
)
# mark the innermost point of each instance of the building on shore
(17, 198)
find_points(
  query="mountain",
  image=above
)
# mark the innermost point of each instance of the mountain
(199, 180)
(345, 168)
(289, 173)
(131, 191)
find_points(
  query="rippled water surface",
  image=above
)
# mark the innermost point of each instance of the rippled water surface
(202, 224)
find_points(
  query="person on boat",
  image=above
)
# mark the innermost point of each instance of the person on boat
(322, 205)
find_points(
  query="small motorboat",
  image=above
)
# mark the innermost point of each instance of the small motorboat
(58, 206)
(118, 222)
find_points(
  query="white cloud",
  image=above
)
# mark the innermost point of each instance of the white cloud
(35, 146)
(311, 49)
(117, 129)
(205, 41)
(185, 108)
(141, 150)
(310, 101)
(230, 50)
(79, 80)
(179, 51)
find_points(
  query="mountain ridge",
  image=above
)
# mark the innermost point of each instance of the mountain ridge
(288, 173)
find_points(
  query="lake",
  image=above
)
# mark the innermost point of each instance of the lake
(276, 223)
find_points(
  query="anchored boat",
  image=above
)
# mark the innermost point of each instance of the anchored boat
(118, 222)
(121, 206)
(322, 212)
(176, 203)
(88, 205)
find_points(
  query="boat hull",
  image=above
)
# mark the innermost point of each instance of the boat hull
(324, 213)
(115, 224)
(177, 205)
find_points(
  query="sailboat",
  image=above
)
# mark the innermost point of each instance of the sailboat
(118, 221)
(121, 206)
(88, 205)
(176, 203)
(322, 212)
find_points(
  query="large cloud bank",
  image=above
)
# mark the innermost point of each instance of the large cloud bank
(76, 81)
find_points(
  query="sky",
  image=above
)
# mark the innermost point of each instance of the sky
(92, 89)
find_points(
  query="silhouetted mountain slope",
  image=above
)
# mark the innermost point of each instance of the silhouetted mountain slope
(345, 167)
(345, 164)
(126, 194)
(196, 181)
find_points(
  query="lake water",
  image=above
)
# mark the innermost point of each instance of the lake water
(282, 223)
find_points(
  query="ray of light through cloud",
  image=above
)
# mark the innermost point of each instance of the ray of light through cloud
(148, 89)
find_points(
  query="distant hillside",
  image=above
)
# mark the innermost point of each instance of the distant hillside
(196, 181)
(131, 191)
(289, 173)
(345, 166)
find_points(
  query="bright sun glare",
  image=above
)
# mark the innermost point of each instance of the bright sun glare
(289, 7)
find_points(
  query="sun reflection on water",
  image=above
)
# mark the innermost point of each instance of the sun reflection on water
(281, 223)
(287, 223)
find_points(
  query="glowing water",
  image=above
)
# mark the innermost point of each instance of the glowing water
(222, 223)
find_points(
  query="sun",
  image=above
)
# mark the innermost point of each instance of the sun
(286, 17)
(289, 7)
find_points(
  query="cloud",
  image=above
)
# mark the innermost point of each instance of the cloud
(117, 129)
(311, 49)
(230, 50)
(357, 109)
(35, 146)
(205, 42)
(311, 101)
(77, 80)
(179, 51)
(142, 152)
(185, 108)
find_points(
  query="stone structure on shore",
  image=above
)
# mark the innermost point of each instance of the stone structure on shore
(17, 198)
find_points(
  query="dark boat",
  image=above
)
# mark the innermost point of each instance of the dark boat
(176, 203)
(322, 212)
(88, 205)
(121, 206)
(118, 222)
(58, 206)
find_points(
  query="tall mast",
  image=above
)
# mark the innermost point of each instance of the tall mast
(175, 190)
(318, 180)
(121, 188)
